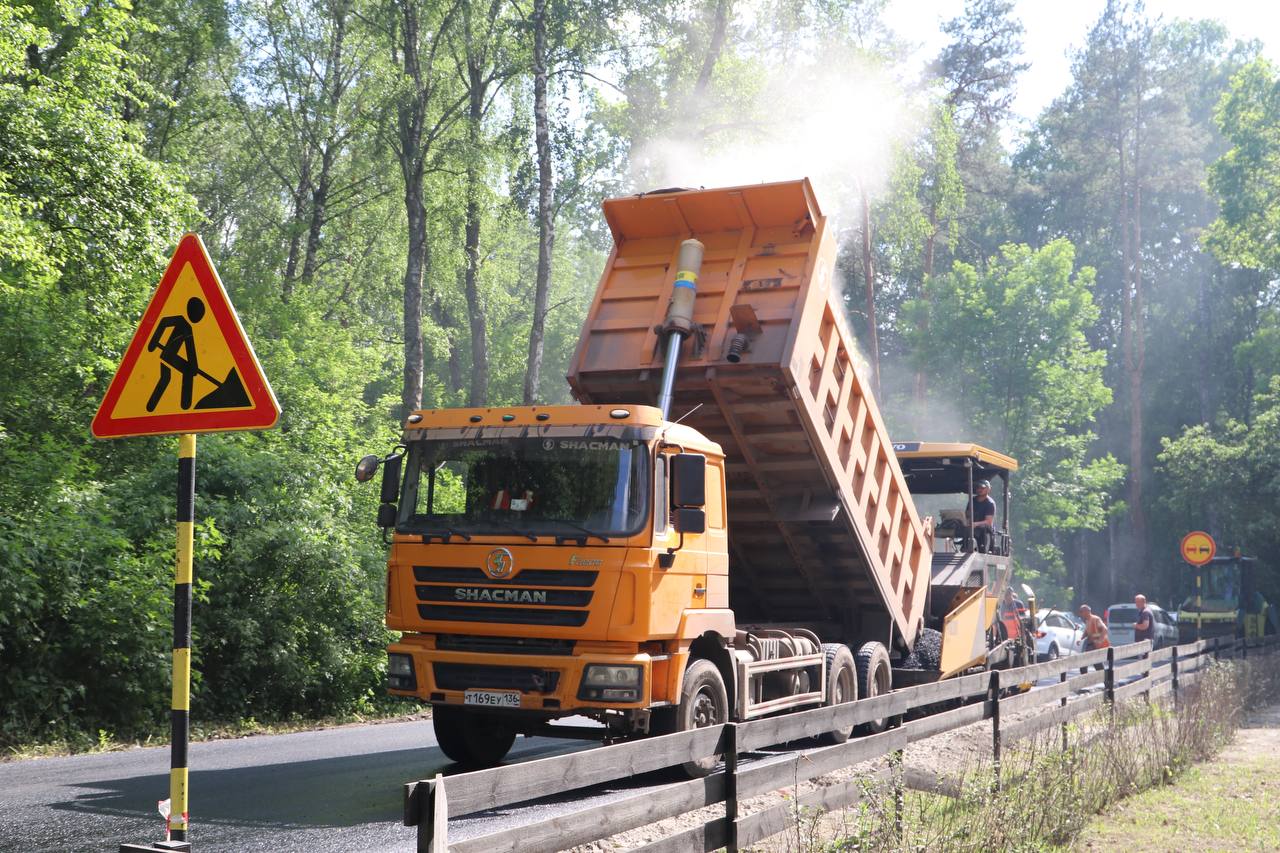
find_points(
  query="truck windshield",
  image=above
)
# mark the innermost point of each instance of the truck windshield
(526, 486)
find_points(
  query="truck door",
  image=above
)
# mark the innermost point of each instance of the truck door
(674, 590)
(716, 539)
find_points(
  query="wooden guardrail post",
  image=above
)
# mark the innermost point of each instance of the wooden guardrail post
(1146, 656)
(1173, 673)
(1217, 654)
(426, 808)
(899, 797)
(1062, 703)
(1109, 680)
(731, 787)
(993, 696)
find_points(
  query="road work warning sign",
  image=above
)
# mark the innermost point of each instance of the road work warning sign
(189, 367)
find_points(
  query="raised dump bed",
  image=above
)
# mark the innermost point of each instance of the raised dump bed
(822, 527)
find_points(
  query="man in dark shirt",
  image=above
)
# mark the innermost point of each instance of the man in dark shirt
(982, 510)
(1144, 626)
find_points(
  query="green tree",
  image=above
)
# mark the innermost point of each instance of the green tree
(1116, 164)
(1246, 179)
(427, 106)
(85, 217)
(1222, 477)
(566, 37)
(1009, 346)
(977, 73)
(942, 197)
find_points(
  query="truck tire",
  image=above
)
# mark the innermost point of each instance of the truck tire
(842, 685)
(703, 702)
(875, 678)
(472, 739)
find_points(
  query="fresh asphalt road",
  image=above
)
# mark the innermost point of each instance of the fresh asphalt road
(331, 790)
(334, 790)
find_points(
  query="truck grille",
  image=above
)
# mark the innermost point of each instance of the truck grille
(503, 645)
(504, 615)
(525, 577)
(505, 595)
(457, 676)
(467, 594)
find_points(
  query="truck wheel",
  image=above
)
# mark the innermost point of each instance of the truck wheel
(471, 739)
(703, 702)
(875, 678)
(842, 685)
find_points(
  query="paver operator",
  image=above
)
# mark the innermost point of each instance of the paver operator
(982, 512)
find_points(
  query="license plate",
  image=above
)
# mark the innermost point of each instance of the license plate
(492, 698)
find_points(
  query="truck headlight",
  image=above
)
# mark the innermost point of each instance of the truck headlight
(599, 675)
(609, 683)
(400, 675)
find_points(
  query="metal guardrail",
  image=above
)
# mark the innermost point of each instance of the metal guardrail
(429, 804)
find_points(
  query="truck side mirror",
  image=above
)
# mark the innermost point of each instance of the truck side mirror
(689, 480)
(365, 468)
(691, 520)
(391, 479)
(387, 516)
(689, 494)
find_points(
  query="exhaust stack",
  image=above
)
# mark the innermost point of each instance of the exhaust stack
(679, 322)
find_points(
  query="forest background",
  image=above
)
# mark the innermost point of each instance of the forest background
(402, 197)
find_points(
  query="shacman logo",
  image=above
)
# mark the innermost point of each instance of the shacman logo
(548, 444)
(575, 560)
(582, 444)
(499, 563)
(503, 596)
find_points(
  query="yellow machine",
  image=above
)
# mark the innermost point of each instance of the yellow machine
(968, 583)
(1229, 603)
(747, 546)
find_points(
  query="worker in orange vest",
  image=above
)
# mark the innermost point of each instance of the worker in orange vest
(1096, 635)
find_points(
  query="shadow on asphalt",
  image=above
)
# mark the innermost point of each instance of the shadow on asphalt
(332, 792)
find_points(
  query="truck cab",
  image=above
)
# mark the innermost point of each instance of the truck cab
(549, 561)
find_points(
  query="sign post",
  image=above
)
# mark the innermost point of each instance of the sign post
(188, 369)
(1197, 549)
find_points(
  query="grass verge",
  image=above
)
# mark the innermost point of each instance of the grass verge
(1046, 795)
(1232, 803)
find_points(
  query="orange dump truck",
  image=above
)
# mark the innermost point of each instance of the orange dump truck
(745, 546)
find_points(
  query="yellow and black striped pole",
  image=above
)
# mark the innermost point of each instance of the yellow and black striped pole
(181, 721)
(1199, 606)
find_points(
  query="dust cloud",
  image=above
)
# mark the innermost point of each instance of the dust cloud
(839, 123)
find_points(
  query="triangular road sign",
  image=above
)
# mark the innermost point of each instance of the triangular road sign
(189, 367)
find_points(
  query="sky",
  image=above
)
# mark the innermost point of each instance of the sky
(1054, 27)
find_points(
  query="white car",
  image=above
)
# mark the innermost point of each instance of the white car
(1120, 619)
(1058, 634)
